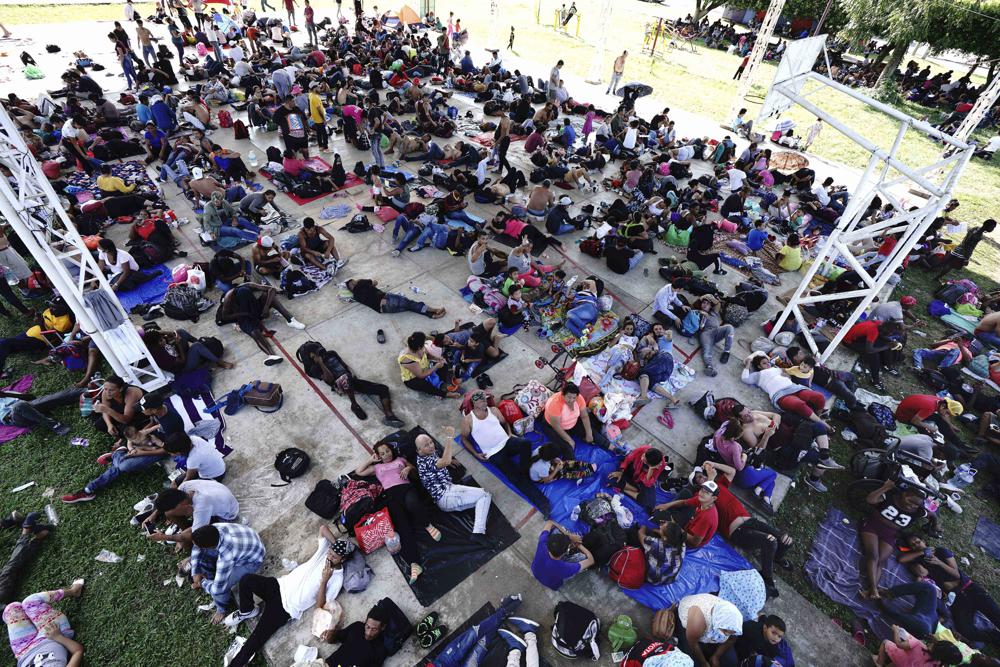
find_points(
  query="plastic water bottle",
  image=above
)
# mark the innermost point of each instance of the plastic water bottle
(51, 513)
(253, 158)
(575, 514)
(964, 476)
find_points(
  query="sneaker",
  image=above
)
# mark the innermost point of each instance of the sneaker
(950, 501)
(60, 429)
(105, 458)
(829, 464)
(80, 496)
(395, 253)
(273, 360)
(513, 641)
(724, 358)
(711, 372)
(765, 504)
(523, 625)
(31, 520)
(295, 324)
(816, 484)
(237, 617)
(771, 589)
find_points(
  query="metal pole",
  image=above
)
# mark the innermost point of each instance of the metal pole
(975, 116)
(823, 17)
(656, 37)
(597, 60)
(756, 55)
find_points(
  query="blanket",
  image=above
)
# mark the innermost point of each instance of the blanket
(193, 410)
(768, 254)
(319, 276)
(702, 567)
(318, 165)
(150, 292)
(8, 433)
(130, 171)
(987, 537)
(595, 367)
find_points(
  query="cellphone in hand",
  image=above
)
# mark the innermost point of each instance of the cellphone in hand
(149, 528)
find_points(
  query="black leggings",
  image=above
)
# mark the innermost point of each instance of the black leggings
(369, 388)
(408, 511)
(752, 535)
(271, 619)
(967, 602)
(10, 297)
(133, 280)
(425, 387)
(502, 147)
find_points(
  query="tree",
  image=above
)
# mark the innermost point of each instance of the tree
(809, 9)
(899, 22)
(702, 7)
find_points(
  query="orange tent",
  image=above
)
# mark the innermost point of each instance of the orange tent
(407, 15)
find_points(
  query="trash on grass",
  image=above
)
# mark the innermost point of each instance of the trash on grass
(108, 557)
(22, 487)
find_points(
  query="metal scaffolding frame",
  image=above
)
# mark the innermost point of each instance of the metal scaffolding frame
(884, 173)
(32, 208)
(975, 116)
(764, 34)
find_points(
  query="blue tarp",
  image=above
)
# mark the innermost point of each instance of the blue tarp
(151, 291)
(700, 572)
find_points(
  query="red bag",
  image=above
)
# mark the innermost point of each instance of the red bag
(510, 411)
(225, 118)
(630, 371)
(146, 228)
(627, 568)
(356, 69)
(373, 529)
(240, 130)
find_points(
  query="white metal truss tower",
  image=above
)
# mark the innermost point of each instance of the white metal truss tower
(756, 56)
(975, 116)
(885, 176)
(31, 207)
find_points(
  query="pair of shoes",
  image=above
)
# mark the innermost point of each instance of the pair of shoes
(522, 625)
(429, 632)
(483, 381)
(237, 617)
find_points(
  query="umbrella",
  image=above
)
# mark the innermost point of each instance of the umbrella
(635, 90)
(784, 125)
(787, 161)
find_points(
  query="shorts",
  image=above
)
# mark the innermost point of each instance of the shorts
(877, 527)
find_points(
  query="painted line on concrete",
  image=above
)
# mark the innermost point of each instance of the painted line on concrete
(322, 395)
(524, 519)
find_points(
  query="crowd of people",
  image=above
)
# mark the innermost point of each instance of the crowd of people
(388, 90)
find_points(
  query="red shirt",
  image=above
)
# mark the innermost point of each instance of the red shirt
(728, 506)
(920, 406)
(963, 107)
(703, 524)
(641, 473)
(867, 330)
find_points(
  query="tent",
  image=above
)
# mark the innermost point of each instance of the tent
(405, 15)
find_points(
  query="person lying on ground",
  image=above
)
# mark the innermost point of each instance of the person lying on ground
(550, 565)
(547, 467)
(450, 497)
(488, 437)
(330, 367)
(179, 352)
(904, 649)
(237, 550)
(988, 329)
(318, 247)
(804, 369)
(407, 507)
(26, 411)
(196, 502)
(248, 305)
(471, 647)
(361, 643)
(26, 547)
(655, 368)
(316, 582)
(750, 471)
(366, 292)
(41, 635)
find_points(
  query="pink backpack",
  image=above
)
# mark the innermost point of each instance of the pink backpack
(201, 49)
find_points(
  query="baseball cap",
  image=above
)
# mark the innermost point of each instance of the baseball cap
(908, 301)
(565, 201)
(697, 470)
(151, 402)
(314, 84)
(711, 487)
(954, 407)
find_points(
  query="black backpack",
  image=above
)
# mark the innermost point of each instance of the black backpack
(274, 154)
(324, 499)
(537, 175)
(575, 631)
(604, 541)
(398, 627)
(181, 303)
(358, 224)
(213, 344)
(306, 190)
(290, 463)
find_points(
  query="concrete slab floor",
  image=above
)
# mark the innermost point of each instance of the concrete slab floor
(320, 422)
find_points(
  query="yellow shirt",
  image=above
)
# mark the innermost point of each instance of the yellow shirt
(62, 324)
(316, 111)
(791, 258)
(107, 183)
(423, 361)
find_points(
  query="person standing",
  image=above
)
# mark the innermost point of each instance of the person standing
(616, 74)
(554, 76)
(145, 39)
(743, 66)
(198, 7)
(811, 133)
(292, 125)
(311, 33)
(290, 9)
(510, 42)
(317, 114)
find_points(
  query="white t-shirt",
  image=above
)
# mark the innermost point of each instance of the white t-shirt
(736, 179)
(993, 145)
(68, 130)
(236, 53)
(539, 469)
(819, 191)
(631, 137)
(299, 587)
(210, 499)
(122, 258)
(205, 458)
(481, 170)
(685, 153)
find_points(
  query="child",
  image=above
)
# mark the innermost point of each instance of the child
(622, 352)
(546, 466)
(757, 236)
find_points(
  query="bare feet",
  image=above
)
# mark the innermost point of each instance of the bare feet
(437, 313)
(870, 595)
(226, 364)
(76, 590)
(217, 617)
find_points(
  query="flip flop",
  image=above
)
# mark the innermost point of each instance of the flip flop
(667, 418)
(380, 337)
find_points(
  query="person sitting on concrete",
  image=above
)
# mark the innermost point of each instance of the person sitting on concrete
(450, 497)
(424, 371)
(366, 292)
(639, 474)
(318, 247)
(120, 267)
(41, 635)
(488, 437)
(314, 583)
(763, 638)
(248, 305)
(664, 548)
(223, 553)
(550, 565)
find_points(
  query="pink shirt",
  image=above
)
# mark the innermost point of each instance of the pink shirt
(352, 111)
(514, 227)
(915, 656)
(730, 450)
(388, 473)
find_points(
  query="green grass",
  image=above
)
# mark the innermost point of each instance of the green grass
(126, 615)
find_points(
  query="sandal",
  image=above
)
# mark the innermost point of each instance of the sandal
(380, 337)
(427, 624)
(666, 419)
(415, 572)
(433, 636)
(434, 533)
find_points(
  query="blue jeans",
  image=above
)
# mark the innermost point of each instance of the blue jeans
(635, 259)
(175, 172)
(564, 228)
(120, 463)
(435, 153)
(469, 647)
(936, 358)
(434, 233)
(921, 619)
(397, 303)
(129, 69)
(237, 232)
(989, 337)
(463, 220)
(148, 51)
(376, 140)
(750, 478)
(206, 569)
(218, 51)
(619, 356)
(402, 222)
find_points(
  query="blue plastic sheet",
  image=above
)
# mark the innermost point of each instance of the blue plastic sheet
(151, 291)
(701, 569)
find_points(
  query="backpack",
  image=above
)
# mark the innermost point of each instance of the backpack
(398, 627)
(884, 415)
(605, 540)
(324, 499)
(643, 650)
(621, 633)
(627, 568)
(149, 254)
(213, 344)
(363, 142)
(225, 119)
(306, 190)
(597, 511)
(591, 246)
(575, 630)
(358, 224)
(290, 463)
(691, 324)
(357, 574)
(181, 303)
(273, 154)
(239, 129)
(537, 175)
